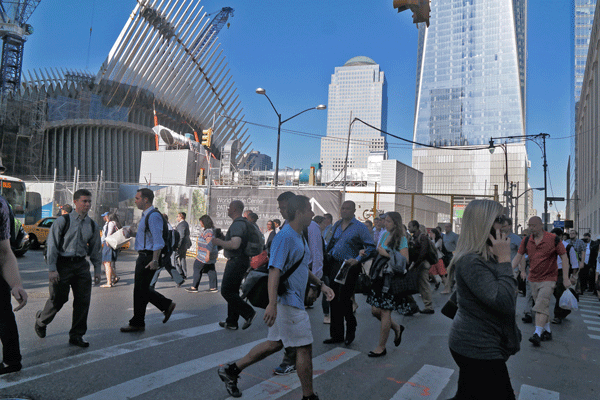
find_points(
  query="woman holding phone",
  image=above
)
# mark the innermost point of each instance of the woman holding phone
(484, 333)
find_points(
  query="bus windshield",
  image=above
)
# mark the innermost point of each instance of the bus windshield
(13, 190)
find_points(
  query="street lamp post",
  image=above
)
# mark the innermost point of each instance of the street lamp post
(279, 123)
(517, 205)
(543, 148)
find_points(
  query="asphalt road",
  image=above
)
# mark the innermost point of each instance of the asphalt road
(178, 360)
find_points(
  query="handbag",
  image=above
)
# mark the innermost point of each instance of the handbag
(451, 306)
(432, 253)
(258, 294)
(117, 240)
(405, 284)
(363, 283)
(259, 260)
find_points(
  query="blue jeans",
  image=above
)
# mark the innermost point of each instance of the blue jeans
(199, 269)
(172, 271)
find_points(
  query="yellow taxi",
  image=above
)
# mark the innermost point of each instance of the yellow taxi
(38, 232)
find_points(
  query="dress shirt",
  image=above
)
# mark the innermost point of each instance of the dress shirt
(350, 241)
(80, 240)
(450, 240)
(154, 238)
(572, 257)
(587, 254)
(327, 233)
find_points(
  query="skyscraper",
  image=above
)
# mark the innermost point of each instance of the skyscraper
(357, 89)
(471, 87)
(583, 19)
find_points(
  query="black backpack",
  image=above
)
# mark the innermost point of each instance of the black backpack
(167, 250)
(255, 240)
(177, 238)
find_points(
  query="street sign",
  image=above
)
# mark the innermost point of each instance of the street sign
(559, 224)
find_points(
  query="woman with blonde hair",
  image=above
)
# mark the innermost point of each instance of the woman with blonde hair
(382, 300)
(484, 333)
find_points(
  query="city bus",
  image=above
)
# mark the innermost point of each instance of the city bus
(13, 190)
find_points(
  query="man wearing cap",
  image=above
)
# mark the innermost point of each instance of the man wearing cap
(72, 237)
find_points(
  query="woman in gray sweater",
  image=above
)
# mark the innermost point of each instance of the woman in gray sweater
(484, 333)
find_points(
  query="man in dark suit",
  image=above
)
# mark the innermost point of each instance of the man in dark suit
(184, 244)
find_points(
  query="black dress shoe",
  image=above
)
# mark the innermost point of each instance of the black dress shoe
(428, 311)
(528, 319)
(7, 369)
(39, 330)
(349, 339)
(373, 354)
(132, 328)
(333, 341)
(168, 312)
(78, 341)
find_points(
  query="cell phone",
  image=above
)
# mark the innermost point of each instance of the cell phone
(493, 233)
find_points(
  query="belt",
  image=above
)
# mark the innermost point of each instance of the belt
(146, 252)
(71, 259)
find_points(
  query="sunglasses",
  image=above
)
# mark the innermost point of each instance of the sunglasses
(501, 219)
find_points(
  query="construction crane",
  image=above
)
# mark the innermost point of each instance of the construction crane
(13, 31)
(209, 34)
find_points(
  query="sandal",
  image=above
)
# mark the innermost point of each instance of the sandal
(107, 285)
(115, 280)
(398, 338)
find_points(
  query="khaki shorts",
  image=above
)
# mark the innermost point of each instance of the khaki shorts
(542, 292)
(291, 326)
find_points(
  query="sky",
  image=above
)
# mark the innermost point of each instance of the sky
(291, 49)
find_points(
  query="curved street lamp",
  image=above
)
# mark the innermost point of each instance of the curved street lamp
(280, 122)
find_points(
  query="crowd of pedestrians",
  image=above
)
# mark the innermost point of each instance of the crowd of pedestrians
(484, 266)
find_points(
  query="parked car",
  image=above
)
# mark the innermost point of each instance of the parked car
(22, 242)
(38, 232)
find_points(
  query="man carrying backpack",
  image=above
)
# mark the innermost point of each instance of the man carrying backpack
(238, 262)
(72, 237)
(150, 240)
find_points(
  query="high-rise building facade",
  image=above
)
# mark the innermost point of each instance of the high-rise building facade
(259, 162)
(586, 203)
(471, 87)
(357, 90)
(583, 19)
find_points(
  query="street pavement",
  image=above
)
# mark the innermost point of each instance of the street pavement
(179, 359)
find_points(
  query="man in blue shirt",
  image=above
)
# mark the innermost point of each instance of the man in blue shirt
(349, 237)
(148, 243)
(285, 315)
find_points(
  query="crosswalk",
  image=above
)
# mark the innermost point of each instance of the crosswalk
(589, 307)
(429, 382)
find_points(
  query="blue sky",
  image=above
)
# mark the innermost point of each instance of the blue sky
(292, 48)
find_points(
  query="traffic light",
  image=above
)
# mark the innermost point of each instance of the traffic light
(420, 8)
(207, 137)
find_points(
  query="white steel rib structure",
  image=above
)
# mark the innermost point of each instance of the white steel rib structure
(103, 122)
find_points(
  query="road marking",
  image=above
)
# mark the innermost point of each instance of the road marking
(428, 381)
(593, 328)
(63, 364)
(147, 383)
(594, 315)
(591, 322)
(279, 385)
(535, 393)
(594, 336)
(175, 317)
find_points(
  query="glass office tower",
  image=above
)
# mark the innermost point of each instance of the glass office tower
(583, 20)
(357, 88)
(471, 86)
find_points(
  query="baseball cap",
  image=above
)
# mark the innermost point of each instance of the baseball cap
(105, 214)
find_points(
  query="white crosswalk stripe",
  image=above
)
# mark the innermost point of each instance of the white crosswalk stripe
(147, 383)
(38, 371)
(533, 393)
(428, 381)
(278, 386)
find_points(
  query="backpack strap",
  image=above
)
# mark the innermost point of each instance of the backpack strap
(332, 241)
(526, 240)
(146, 227)
(290, 271)
(63, 231)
